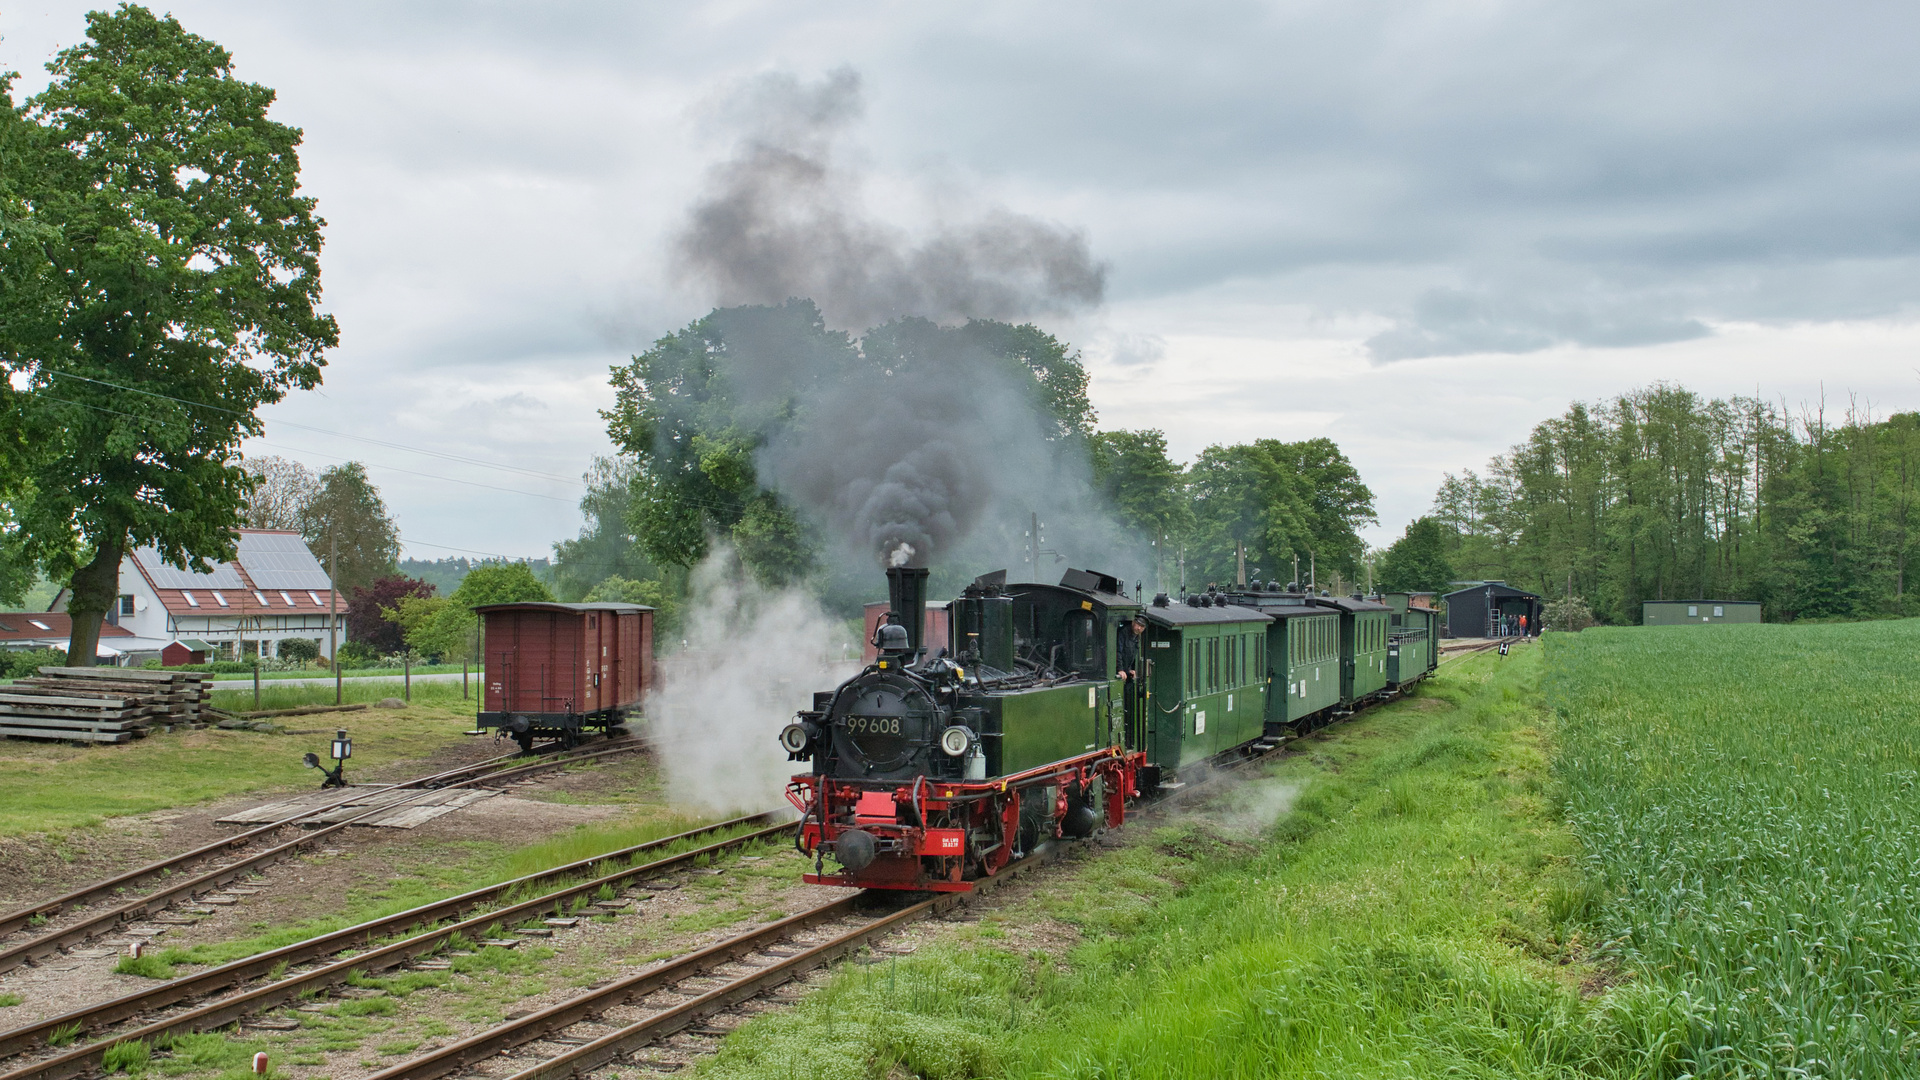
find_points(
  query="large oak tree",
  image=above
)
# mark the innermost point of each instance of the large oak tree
(184, 274)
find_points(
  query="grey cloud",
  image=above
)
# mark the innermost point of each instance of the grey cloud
(1447, 322)
(1134, 350)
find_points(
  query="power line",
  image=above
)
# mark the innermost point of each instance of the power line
(323, 431)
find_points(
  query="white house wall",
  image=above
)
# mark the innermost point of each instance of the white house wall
(150, 619)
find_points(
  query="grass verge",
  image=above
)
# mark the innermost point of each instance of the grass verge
(51, 787)
(1414, 910)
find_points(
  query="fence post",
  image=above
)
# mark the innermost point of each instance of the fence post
(256, 682)
(406, 675)
(463, 679)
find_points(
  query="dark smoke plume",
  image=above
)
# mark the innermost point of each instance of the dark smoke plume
(784, 219)
(904, 466)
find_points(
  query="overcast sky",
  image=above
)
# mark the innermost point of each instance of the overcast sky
(1418, 229)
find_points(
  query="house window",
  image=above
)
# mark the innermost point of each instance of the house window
(219, 596)
(262, 597)
(191, 602)
(126, 605)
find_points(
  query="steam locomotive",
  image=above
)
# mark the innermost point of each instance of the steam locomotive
(1057, 705)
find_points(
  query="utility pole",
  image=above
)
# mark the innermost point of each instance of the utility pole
(1313, 575)
(1296, 570)
(1240, 563)
(333, 607)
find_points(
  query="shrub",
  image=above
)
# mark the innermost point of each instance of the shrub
(357, 654)
(299, 650)
(23, 663)
(1569, 614)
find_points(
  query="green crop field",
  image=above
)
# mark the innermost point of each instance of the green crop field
(1749, 800)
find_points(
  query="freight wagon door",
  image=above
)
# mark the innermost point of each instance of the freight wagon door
(628, 667)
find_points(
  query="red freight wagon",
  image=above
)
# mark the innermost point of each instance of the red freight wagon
(552, 671)
(934, 635)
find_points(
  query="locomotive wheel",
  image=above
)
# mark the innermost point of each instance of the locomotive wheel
(1036, 809)
(525, 739)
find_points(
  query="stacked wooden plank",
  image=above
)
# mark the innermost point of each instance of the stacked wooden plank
(104, 704)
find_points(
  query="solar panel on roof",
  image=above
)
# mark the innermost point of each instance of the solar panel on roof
(224, 575)
(280, 561)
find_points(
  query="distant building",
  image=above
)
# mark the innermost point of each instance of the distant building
(1491, 609)
(1698, 612)
(274, 589)
(54, 630)
(184, 651)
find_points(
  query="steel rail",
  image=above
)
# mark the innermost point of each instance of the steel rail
(545, 1022)
(220, 1013)
(580, 1060)
(106, 921)
(19, 917)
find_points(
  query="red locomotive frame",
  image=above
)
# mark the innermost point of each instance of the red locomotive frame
(916, 856)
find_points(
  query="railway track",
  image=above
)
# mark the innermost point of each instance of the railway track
(94, 1019)
(109, 919)
(1449, 652)
(569, 1038)
(574, 1037)
(584, 1034)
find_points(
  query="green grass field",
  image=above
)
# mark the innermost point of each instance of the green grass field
(52, 787)
(238, 697)
(1750, 800)
(348, 674)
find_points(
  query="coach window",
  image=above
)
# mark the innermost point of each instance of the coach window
(1692, 611)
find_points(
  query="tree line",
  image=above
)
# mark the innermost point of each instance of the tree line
(692, 440)
(1661, 494)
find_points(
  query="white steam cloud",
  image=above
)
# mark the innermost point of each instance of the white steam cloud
(753, 657)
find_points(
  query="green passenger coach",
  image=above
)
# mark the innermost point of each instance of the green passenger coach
(1303, 657)
(1206, 679)
(1363, 647)
(1413, 640)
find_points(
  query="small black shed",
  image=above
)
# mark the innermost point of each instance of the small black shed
(1492, 609)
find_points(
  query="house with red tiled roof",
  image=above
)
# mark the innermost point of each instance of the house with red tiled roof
(54, 629)
(273, 590)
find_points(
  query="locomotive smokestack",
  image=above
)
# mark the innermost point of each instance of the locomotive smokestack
(907, 596)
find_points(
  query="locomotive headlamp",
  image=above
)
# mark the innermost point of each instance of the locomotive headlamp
(956, 740)
(794, 738)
